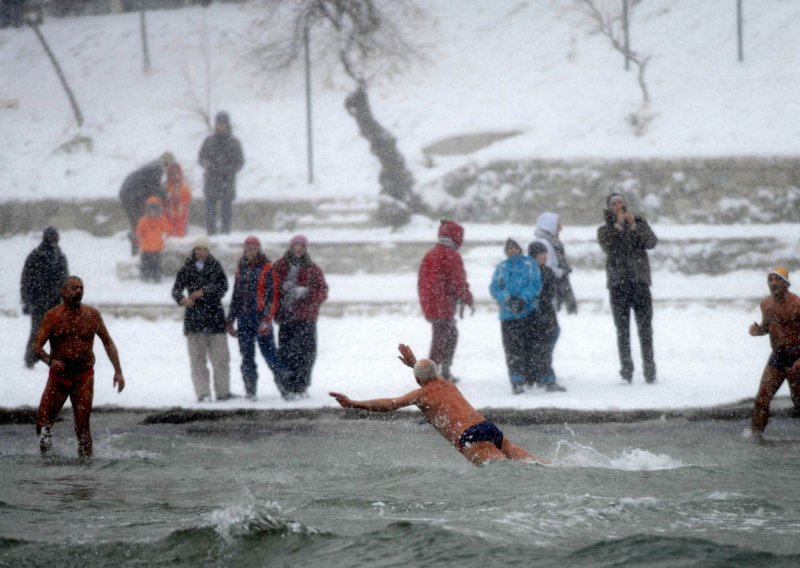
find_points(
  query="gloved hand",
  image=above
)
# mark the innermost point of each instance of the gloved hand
(516, 304)
(264, 328)
(572, 307)
(26, 309)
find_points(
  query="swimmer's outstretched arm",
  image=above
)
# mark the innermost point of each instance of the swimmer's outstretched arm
(377, 404)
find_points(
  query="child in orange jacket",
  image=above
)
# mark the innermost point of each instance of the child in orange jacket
(176, 209)
(150, 233)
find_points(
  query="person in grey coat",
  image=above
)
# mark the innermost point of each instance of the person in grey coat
(43, 275)
(222, 158)
(625, 239)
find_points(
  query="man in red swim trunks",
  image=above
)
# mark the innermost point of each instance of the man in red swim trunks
(780, 318)
(446, 409)
(70, 328)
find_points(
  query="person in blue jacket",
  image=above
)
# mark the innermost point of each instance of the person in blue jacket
(515, 286)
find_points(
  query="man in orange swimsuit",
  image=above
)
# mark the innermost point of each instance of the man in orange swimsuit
(70, 328)
(780, 318)
(446, 409)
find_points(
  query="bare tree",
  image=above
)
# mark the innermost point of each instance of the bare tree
(606, 17)
(61, 77)
(364, 38)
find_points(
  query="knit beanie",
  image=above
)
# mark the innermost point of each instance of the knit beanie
(782, 273)
(299, 239)
(511, 244)
(252, 241)
(536, 248)
(451, 230)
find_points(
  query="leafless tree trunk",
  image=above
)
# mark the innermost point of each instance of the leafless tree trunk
(72, 101)
(366, 42)
(608, 22)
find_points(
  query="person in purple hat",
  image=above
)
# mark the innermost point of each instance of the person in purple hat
(303, 290)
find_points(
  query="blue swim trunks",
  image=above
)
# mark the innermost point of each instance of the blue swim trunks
(785, 358)
(481, 432)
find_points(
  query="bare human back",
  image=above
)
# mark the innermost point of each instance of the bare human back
(446, 409)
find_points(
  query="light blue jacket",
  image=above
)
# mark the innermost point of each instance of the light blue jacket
(517, 276)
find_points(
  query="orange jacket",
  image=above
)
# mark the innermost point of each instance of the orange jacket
(150, 233)
(176, 208)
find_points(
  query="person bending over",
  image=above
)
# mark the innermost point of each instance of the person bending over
(446, 409)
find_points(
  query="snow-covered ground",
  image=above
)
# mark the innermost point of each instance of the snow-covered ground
(528, 66)
(703, 351)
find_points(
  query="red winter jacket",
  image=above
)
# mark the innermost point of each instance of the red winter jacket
(309, 276)
(442, 279)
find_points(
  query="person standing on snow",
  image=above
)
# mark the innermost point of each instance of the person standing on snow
(544, 325)
(548, 228)
(222, 158)
(43, 275)
(625, 239)
(205, 283)
(442, 285)
(303, 289)
(515, 285)
(253, 307)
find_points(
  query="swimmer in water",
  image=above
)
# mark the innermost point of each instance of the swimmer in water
(70, 328)
(446, 409)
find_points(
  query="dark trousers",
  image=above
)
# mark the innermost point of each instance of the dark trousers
(297, 341)
(36, 319)
(248, 337)
(225, 213)
(516, 345)
(544, 334)
(151, 266)
(443, 344)
(636, 297)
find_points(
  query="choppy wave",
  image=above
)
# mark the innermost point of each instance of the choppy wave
(573, 454)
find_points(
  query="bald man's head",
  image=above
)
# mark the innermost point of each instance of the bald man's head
(425, 370)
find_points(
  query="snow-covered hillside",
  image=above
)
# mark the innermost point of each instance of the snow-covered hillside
(532, 67)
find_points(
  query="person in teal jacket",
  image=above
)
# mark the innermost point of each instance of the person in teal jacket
(515, 286)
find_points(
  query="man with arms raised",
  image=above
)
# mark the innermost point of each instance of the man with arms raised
(780, 318)
(446, 409)
(70, 328)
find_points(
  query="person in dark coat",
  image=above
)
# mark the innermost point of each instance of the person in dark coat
(141, 184)
(204, 282)
(442, 286)
(221, 156)
(544, 328)
(303, 289)
(253, 306)
(43, 274)
(625, 239)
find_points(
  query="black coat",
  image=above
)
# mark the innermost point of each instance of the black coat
(207, 314)
(222, 157)
(43, 275)
(139, 185)
(546, 318)
(626, 251)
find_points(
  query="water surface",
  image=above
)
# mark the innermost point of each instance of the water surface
(331, 491)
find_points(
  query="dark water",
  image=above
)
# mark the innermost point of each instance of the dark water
(335, 492)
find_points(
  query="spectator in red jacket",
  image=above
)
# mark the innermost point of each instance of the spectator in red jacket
(303, 289)
(442, 285)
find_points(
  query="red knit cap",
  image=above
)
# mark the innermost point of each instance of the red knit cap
(252, 241)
